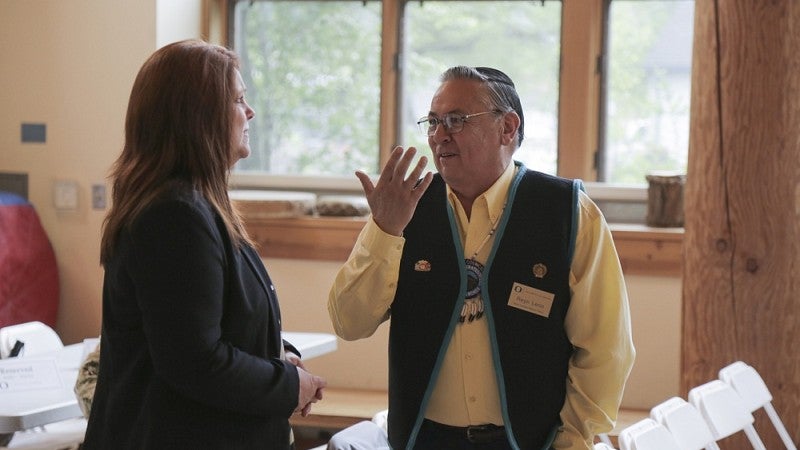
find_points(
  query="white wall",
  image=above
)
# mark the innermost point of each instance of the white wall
(177, 20)
(656, 311)
(70, 64)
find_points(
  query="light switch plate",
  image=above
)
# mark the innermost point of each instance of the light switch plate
(65, 195)
(99, 196)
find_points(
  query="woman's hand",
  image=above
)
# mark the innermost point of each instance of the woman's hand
(294, 358)
(310, 392)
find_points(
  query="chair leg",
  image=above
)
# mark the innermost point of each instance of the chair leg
(776, 421)
(753, 437)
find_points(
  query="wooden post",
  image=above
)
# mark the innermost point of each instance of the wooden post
(741, 292)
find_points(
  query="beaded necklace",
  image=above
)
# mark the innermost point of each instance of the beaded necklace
(472, 309)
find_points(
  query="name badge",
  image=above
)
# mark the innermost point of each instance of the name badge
(23, 374)
(530, 299)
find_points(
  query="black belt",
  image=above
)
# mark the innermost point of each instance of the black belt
(475, 434)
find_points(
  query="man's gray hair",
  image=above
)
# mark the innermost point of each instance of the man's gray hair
(500, 89)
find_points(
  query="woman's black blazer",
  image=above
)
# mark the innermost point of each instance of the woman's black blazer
(191, 343)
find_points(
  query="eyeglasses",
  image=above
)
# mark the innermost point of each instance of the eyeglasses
(453, 123)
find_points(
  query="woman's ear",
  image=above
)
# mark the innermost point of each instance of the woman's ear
(510, 127)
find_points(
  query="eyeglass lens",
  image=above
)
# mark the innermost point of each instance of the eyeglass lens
(452, 123)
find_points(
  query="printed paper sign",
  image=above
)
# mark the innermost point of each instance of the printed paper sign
(23, 374)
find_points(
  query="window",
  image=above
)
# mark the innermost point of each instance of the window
(522, 39)
(337, 83)
(312, 69)
(648, 76)
(313, 74)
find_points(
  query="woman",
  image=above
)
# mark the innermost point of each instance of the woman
(191, 353)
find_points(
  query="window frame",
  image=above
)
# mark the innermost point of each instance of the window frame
(579, 90)
(643, 250)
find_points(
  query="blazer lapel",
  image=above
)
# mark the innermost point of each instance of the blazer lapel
(274, 327)
(257, 267)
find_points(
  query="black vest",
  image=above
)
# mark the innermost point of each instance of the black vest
(530, 352)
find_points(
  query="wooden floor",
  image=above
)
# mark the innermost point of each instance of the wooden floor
(309, 442)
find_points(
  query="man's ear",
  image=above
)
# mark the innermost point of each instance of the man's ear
(510, 127)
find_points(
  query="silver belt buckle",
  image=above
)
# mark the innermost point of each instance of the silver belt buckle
(480, 434)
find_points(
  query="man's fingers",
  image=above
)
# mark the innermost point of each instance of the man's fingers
(422, 185)
(415, 174)
(395, 170)
(388, 172)
(366, 182)
(402, 166)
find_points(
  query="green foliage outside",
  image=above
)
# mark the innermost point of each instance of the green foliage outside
(647, 115)
(520, 38)
(313, 74)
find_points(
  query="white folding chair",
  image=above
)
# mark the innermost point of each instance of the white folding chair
(685, 423)
(724, 411)
(747, 382)
(647, 434)
(381, 419)
(36, 338)
(65, 435)
(364, 435)
(605, 439)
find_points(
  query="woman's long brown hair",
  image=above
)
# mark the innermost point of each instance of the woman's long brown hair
(177, 128)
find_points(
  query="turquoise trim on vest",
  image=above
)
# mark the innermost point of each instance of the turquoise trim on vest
(503, 227)
(485, 295)
(462, 293)
(577, 186)
(498, 370)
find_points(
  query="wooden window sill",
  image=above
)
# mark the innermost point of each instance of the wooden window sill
(642, 250)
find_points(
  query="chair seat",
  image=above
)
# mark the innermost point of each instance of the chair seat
(647, 434)
(37, 338)
(685, 423)
(64, 435)
(724, 411)
(755, 394)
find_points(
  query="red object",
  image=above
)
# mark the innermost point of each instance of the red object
(28, 272)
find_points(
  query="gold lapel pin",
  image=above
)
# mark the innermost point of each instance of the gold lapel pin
(539, 270)
(422, 266)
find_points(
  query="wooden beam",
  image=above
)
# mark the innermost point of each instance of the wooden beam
(742, 204)
(390, 80)
(579, 88)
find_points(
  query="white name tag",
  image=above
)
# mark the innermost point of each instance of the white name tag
(530, 299)
(22, 374)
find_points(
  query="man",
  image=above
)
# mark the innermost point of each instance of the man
(510, 325)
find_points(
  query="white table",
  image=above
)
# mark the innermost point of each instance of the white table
(30, 409)
(311, 345)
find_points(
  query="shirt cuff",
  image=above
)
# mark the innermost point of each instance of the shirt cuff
(380, 244)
